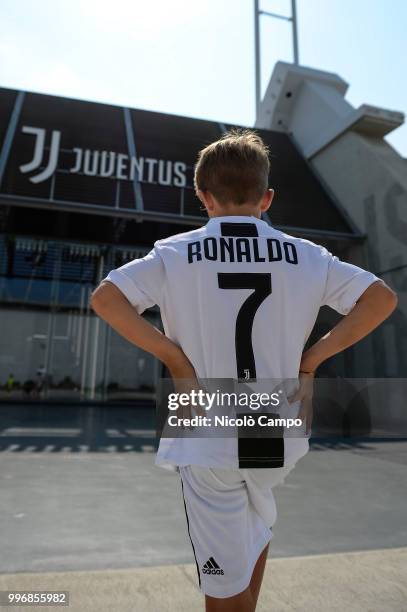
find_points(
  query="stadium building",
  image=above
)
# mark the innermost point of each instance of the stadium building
(86, 187)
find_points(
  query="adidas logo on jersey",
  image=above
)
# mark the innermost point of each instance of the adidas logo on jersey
(211, 567)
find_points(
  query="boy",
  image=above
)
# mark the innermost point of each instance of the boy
(238, 300)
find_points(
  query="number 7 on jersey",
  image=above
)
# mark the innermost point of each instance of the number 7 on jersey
(261, 283)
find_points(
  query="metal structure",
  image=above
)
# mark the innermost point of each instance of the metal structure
(293, 19)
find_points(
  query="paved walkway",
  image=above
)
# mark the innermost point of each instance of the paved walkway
(370, 581)
(63, 511)
(97, 518)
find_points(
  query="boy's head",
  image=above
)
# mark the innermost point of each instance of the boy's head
(231, 174)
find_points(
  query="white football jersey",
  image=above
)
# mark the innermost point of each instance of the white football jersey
(241, 298)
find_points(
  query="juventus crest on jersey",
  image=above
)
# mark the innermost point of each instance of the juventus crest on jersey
(241, 299)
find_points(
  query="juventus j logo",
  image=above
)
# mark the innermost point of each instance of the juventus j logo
(39, 148)
(246, 374)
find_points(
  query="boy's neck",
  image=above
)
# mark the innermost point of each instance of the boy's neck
(237, 211)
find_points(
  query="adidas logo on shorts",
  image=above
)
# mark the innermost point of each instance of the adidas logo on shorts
(211, 567)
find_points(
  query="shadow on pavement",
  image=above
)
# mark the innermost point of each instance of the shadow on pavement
(45, 427)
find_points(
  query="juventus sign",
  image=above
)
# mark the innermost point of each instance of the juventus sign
(104, 164)
(98, 158)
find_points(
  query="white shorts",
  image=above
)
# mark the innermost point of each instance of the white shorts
(230, 514)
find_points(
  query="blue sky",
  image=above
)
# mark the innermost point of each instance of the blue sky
(196, 58)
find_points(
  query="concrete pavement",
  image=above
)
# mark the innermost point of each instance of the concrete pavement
(93, 515)
(369, 581)
(104, 510)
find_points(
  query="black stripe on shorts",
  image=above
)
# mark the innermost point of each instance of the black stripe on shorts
(189, 533)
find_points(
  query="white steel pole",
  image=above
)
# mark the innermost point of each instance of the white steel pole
(257, 55)
(295, 32)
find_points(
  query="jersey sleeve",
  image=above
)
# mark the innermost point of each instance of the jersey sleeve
(345, 283)
(140, 280)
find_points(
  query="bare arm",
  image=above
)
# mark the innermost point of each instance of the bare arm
(373, 307)
(112, 306)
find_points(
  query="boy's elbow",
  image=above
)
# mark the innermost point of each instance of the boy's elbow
(380, 299)
(98, 298)
(388, 298)
(94, 300)
(393, 300)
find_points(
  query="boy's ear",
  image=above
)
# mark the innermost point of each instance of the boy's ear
(267, 200)
(205, 198)
(200, 195)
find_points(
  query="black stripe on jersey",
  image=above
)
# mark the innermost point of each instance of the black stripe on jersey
(239, 229)
(261, 453)
(255, 450)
